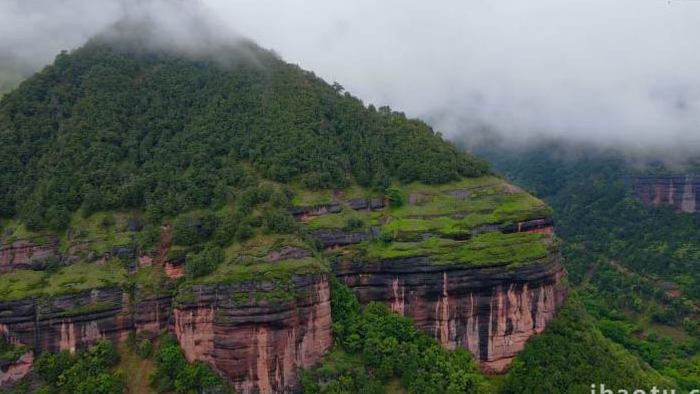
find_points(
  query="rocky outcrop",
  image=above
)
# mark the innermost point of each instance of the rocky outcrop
(13, 371)
(491, 311)
(682, 192)
(333, 238)
(76, 321)
(257, 343)
(37, 253)
(303, 213)
(539, 226)
(28, 253)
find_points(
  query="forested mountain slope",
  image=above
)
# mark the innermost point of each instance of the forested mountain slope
(635, 264)
(109, 127)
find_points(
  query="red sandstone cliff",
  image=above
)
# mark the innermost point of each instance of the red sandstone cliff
(76, 321)
(257, 345)
(258, 340)
(11, 372)
(680, 192)
(490, 311)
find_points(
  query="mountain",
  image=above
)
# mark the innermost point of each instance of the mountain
(630, 245)
(109, 128)
(233, 220)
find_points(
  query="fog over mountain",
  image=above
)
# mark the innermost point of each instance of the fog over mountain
(617, 73)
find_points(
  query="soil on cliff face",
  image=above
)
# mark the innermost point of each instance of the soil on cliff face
(137, 371)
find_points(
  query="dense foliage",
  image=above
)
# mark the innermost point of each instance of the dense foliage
(88, 372)
(572, 355)
(621, 255)
(174, 374)
(374, 345)
(107, 127)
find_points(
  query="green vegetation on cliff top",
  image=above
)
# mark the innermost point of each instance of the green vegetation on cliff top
(66, 280)
(488, 249)
(449, 209)
(109, 127)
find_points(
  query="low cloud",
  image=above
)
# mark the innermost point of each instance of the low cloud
(614, 73)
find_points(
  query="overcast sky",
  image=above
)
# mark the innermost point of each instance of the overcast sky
(607, 71)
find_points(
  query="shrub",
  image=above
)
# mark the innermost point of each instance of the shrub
(204, 262)
(279, 221)
(145, 348)
(147, 239)
(353, 223)
(87, 372)
(395, 196)
(173, 373)
(193, 228)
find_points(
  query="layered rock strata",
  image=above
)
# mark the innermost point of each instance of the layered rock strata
(455, 259)
(490, 311)
(257, 344)
(76, 321)
(682, 192)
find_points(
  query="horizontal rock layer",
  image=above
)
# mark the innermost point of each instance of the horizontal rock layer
(680, 192)
(257, 345)
(76, 321)
(491, 311)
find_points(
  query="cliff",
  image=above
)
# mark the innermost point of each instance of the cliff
(490, 311)
(475, 264)
(257, 342)
(682, 192)
(75, 321)
(27, 253)
(255, 332)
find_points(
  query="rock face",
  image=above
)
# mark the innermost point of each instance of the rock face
(13, 371)
(681, 192)
(76, 321)
(337, 238)
(491, 311)
(257, 345)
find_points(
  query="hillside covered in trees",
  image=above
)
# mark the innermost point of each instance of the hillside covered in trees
(635, 267)
(110, 126)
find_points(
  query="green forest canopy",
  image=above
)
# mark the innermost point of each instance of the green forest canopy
(111, 127)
